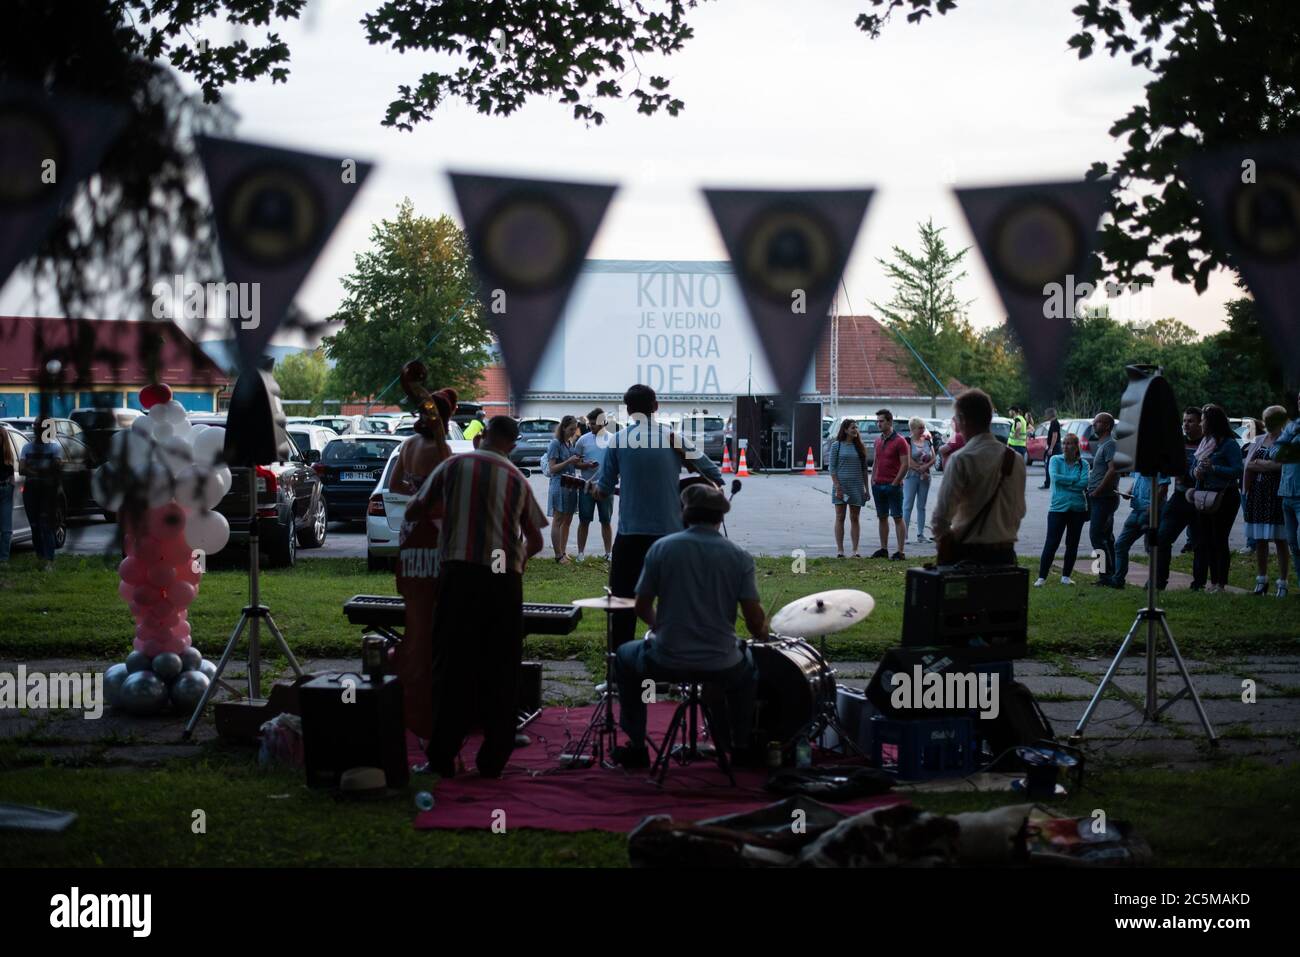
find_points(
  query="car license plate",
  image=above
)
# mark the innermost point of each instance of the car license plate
(358, 477)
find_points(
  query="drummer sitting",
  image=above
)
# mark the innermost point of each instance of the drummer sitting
(698, 577)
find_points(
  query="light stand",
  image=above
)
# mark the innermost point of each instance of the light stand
(1156, 622)
(253, 613)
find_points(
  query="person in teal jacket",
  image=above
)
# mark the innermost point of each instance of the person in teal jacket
(1068, 510)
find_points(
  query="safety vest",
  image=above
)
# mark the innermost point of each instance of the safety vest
(473, 429)
(1018, 429)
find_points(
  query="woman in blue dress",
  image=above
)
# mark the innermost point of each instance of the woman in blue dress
(562, 459)
(848, 466)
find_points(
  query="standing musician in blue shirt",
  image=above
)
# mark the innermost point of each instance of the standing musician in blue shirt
(644, 461)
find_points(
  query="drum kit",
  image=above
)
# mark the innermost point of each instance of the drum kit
(796, 696)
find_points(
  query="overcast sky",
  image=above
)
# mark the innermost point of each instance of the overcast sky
(778, 93)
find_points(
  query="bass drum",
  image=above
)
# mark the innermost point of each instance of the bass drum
(794, 684)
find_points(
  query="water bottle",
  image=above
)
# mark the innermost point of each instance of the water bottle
(424, 801)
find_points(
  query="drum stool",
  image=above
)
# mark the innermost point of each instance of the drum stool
(685, 723)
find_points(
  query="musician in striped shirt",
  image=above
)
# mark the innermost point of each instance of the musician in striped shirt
(491, 526)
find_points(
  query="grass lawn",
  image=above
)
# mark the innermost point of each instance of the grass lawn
(144, 817)
(75, 611)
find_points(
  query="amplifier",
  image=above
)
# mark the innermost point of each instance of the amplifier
(951, 666)
(347, 727)
(530, 687)
(983, 611)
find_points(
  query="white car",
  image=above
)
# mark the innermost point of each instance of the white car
(386, 508)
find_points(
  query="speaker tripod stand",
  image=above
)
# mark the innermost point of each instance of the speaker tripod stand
(1156, 624)
(250, 618)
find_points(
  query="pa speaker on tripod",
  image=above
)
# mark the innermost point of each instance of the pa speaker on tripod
(255, 436)
(1148, 441)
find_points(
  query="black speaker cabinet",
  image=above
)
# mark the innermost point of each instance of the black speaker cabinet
(346, 728)
(983, 610)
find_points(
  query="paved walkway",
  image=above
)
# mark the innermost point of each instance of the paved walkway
(1266, 729)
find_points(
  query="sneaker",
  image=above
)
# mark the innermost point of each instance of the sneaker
(1040, 583)
(880, 553)
(1213, 589)
(897, 557)
(1067, 580)
(1261, 585)
(922, 540)
(1103, 581)
(632, 757)
(1281, 588)
(580, 557)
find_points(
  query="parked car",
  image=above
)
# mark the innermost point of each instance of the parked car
(1083, 429)
(384, 512)
(291, 507)
(99, 424)
(348, 470)
(1036, 443)
(465, 413)
(26, 423)
(867, 429)
(341, 424)
(1001, 428)
(535, 435)
(1247, 429)
(22, 529)
(311, 440)
(706, 432)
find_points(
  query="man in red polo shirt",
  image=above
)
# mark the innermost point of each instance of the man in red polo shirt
(892, 456)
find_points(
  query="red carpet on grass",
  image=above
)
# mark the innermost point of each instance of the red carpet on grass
(535, 792)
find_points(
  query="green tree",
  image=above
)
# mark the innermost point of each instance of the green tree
(1221, 73)
(410, 296)
(1247, 373)
(303, 376)
(925, 310)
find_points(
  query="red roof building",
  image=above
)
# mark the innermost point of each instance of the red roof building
(85, 362)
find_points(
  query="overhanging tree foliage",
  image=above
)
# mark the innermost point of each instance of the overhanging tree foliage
(1220, 73)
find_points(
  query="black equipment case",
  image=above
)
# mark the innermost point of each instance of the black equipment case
(346, 728)
(983, 610)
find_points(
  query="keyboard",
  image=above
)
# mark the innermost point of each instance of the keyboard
(389, 611)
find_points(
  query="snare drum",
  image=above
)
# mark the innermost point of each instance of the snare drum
(795, 684)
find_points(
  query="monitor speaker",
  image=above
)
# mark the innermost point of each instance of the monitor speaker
(255, 424)
(1148, 432)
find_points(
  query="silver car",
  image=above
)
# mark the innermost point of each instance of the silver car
(22, 528)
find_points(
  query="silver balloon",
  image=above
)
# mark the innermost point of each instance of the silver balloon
(137, 661)
(209, 668)
(167, 665)
(191, 658)
(113, 679)
(142, 693)
(188, 689)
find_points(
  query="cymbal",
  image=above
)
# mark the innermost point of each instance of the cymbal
(606, 603)
(824, 613)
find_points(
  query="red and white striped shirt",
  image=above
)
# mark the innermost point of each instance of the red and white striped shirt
(486, 503)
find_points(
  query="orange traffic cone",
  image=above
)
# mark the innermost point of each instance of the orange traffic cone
(726, 460)
(744, 469)
(808, 467)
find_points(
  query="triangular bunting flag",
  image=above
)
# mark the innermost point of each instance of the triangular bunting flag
(528, 238)
(48, 145)
(274, 210)
(788, 249)
(1252, 204)
(1038, 242)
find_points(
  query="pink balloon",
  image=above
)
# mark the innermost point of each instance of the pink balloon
(181, 594)
(125, 589)
(167, 522)
(181, 631)
(148, 595)
(162, 574)
(132, 570)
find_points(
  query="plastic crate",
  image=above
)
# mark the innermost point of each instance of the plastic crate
(925, 748)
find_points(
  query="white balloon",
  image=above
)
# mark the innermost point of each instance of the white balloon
(161, 485)
(172, 412)
(208, 531)
(222, 474)
(131, 449)
(215, 489)
(188, 488)
(175, 454)
(144, 425)
(209, 445)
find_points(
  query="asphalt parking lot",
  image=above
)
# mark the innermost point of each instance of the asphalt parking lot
(774, 514)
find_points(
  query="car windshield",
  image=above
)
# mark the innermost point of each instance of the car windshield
(538, 427)
(358, 450)
(1000, 429)
(704, 423)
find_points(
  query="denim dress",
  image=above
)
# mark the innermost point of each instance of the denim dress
(560, 499)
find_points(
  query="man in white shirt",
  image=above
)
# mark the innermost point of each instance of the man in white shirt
(982, 498)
